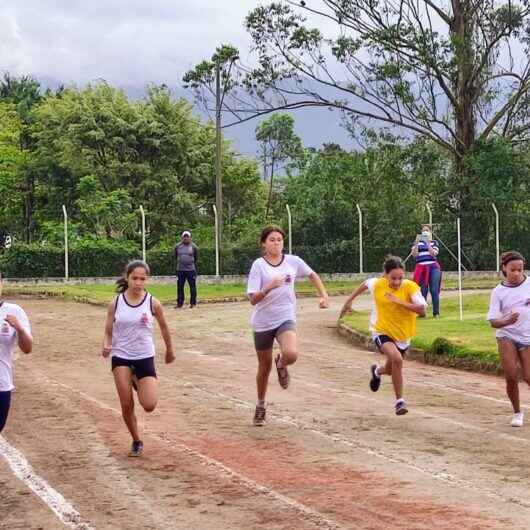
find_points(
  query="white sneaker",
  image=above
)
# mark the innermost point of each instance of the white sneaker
(517, 420)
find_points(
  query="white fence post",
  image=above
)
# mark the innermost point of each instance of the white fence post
(143, 232)
(216, 241)
(360, 238)
(430, 213)
(289, 224)
(66, 271)
(497, 237)
(460, 297)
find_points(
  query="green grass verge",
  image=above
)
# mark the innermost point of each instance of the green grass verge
(166, 292)
(447, 340)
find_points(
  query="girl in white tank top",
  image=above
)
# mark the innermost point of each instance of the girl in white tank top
(129, 338)
(132, 333)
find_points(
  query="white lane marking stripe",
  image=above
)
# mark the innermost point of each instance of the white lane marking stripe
(23, 470)
(357, 444)
(313, 516)
(364, 397)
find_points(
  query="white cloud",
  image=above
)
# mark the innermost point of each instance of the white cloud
(123, 41)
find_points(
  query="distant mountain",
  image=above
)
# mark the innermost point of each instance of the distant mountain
(314, 126)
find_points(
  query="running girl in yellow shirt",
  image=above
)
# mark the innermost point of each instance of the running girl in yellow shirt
(397, 303)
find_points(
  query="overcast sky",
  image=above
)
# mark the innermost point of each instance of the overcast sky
(126, 42)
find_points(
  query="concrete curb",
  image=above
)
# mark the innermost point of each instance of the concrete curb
(469, 364)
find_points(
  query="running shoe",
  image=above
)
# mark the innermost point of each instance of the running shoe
(136, 448)
(259, 416)
(517, 420)
(375, 381)
(401, 407)
(283, 374)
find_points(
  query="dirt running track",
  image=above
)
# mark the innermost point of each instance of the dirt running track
(332, 456)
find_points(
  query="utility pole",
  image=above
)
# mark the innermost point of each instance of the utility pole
(218, 175)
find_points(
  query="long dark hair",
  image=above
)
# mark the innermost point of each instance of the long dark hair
(511, 255)
(393, 262)
(122, 283)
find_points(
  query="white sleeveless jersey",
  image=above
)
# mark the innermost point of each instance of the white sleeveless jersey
(132, 333)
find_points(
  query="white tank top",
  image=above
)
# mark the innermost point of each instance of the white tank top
(132, 333)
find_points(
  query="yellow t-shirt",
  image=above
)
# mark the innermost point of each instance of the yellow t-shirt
(389, 318)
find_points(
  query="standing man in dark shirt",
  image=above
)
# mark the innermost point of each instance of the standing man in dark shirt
(186, 254)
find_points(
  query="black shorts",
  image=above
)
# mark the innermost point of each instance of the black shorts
(379, 340)
(5, 402)
(264, 340)
(140, 367)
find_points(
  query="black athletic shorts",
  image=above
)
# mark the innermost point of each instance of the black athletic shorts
(379, 340)
(140, 367)
(5, 402)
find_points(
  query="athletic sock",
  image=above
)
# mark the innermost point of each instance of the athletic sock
(261, 403)
(376, 372)
(400, 400)
(280, 361)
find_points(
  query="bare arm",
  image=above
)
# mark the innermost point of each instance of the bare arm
(431, 249)
(414, 251)
(419, 309)
(498, 323)
(347, 307)
(25, 340)
(256, 298)
(109, 324)
(164, 329)
(314, 278)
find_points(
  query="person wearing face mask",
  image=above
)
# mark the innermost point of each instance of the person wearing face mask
(509, 314)
(397, 303)
(428, 273)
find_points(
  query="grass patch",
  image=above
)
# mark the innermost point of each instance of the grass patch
(166, 292)
(447, 340)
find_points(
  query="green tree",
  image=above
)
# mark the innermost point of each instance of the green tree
(279, 148)
(24, 93)
(154, 150)
(12, 160)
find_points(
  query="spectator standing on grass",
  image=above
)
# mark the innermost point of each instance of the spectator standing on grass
(509, 314)
(428, 273)
(186, 254)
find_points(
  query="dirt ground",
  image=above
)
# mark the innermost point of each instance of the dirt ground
(332, 456)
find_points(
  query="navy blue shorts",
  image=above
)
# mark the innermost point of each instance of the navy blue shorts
(140, 367)
(382, 339)
(5, 403)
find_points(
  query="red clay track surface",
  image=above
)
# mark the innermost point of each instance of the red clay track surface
(332, 456)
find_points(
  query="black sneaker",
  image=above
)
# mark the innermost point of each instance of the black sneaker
(136, 448)
(401, 408)
(259, 416)
(375, 382)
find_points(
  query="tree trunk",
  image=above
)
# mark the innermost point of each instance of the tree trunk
(28, 208)
(465, 88)
(269, 200)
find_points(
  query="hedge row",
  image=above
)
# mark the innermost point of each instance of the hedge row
(103, 258)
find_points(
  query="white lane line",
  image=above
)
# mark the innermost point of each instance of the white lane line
(364, 397)
(394, 458)
(23, 470)
(308, 514)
